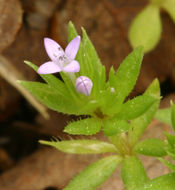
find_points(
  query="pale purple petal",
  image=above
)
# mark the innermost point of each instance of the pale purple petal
(49, 67)
(72, 67)
(53, 49)
(84, 85)
(72, 48)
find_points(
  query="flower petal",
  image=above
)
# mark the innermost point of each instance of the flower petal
(72, 67)
(72, 48)
(49, 67)
(53, 49)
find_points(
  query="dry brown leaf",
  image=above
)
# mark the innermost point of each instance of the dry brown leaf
(10, 21)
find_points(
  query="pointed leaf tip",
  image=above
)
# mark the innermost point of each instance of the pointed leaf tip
(128, 72)
(83, 146)
(72, 33)
(30, 64)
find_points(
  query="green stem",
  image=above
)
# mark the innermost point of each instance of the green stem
(122, 144)
(72, 76)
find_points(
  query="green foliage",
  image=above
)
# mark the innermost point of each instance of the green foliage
(88, 126)
(164, 115)
(72, 33)
(168, 116)
(139, 124)
(122, 82)
(95, 174)
(115, 126)
(82, 146)
(125, 79)
(90, 64)
(136, 107)
(171, 153)
(151, 147)
(173, 115)
(146, 28)
(171, 139)
(171, 145)
(122, 121)
(62, 96)
(52, 81)
(168, 164)
(51, 98)
(133, 173)
(165, 182)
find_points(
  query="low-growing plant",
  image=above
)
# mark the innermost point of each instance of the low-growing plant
(84, 90)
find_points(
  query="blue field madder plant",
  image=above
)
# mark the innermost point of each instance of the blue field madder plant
(84, 90)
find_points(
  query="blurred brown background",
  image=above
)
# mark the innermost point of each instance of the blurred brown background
(24, 164)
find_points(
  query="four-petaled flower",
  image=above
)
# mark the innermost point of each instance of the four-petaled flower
(60, 60)
(84, 85)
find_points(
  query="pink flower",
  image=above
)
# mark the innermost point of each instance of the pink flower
(60, 60)
(84, 85)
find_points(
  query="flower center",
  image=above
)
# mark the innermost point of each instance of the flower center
(62, 61)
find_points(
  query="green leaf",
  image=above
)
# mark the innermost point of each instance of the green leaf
(30, 64)
(165, 182)
(173, 115)
(51, 98)
(122, 83)
(110, 103)
(133, 173)
(112, 77)
(151, 147)
(115, 126)
(139, 124)
(169, 6)
(88, 126)
(51, 80)
(168, 164)
(171, 139)
(171, 153)
(127, 74)
(95, 174)
(136, 107)
(171, 145)
(146, 28)
(90, 63)
(72, 33)
(82, 146)
(154, 89)
(69, 80)
(67, 89)
(164, 115)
